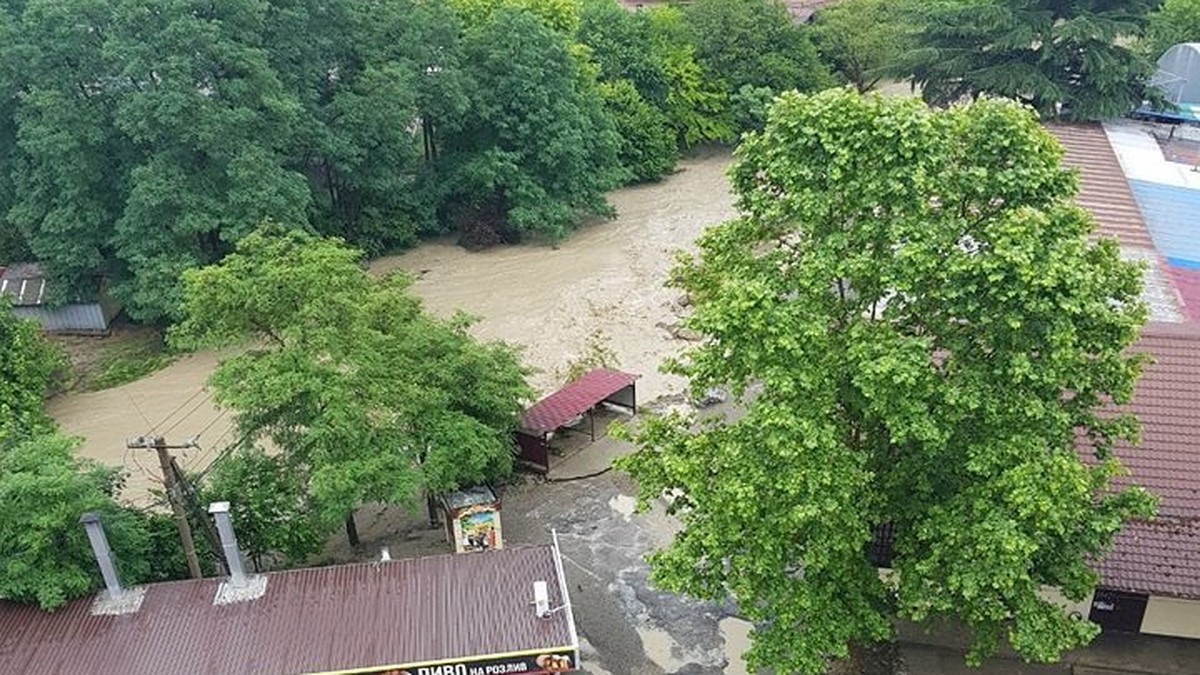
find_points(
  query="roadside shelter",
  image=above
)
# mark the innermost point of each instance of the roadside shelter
(578, 399)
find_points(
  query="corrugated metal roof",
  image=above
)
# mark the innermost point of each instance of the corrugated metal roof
(1172, 215)
(1103, 190)
(24, 283)
(309, 620)
(574, 399)
(1164, 557)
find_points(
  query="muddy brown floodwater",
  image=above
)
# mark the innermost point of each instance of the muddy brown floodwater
(607, 277)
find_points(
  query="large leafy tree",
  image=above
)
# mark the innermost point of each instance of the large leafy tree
(647, 149)
(45, 557)
(366, 395)
(862, 38)
(69, 164)
(755, 42)
(271, 505)
(535, 151)
(920, 330)
(1070, 59)
(212, 120)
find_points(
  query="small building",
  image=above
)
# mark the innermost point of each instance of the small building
(495, 612)
(28, 289)
(473, 520)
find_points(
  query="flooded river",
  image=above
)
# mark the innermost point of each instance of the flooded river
(608, 277)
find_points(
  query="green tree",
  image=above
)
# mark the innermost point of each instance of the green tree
(212, 121)
(270, 505)
(44, 552)
(535, 151)
(1174, 22)
(29, 364)
(755, 42)
(363, 392)
(69, 164)
(647, 149)
(561, 16)
(862, 38)
(622, 43)
(1073, 60)
(697, 104)
(913, 316)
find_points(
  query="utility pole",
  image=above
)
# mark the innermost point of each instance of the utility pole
(159, 445)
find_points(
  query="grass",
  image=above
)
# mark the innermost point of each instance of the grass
(129, 361)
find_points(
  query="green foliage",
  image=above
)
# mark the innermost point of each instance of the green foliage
(366, 395)
(562, 16)
(696, 105)
(749, 105)
(270, 507)
(1072, 60)
(129, 361)
(1174, 22)
(29, 365)
(597, 353)
(535, 144)
(44, 553)
(862, 38)
(647, 149)
(755, 42)
(926, 326)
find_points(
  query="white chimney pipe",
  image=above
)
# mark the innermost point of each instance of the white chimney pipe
(95, 533)
(233, 557)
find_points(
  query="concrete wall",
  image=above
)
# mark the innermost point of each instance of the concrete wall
(1173, 617)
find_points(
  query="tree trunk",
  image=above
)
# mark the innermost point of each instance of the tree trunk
(431, 507)
(351, 530)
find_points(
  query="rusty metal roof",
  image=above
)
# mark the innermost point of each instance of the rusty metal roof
(25, 283)
(1163, 557)
(325, 619)
(574, 399)
(1103, 188)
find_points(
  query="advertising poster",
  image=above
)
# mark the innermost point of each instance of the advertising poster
(552, 661)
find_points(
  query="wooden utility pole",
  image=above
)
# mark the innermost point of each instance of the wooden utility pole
(159, 445)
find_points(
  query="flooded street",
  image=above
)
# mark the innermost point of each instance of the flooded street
(608, 277)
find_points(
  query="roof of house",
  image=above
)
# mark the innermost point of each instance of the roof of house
(1103, 189)
(398, 613)
(1106, 193)
(574, 399)
(25, 283)
(1163, 557)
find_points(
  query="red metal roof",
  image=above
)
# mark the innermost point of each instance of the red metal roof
(308, 620)
(1103, 189)
(574, 399)
(1163, 557)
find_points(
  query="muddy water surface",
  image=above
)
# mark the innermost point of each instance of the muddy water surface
(607, 277)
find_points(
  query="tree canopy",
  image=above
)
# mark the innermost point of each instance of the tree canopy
(913, 316)
(1174, 22)
(863, 39)
(366, 396)
(1075, 60)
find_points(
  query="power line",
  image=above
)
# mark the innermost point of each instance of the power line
(181, 406)
(191, 412)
